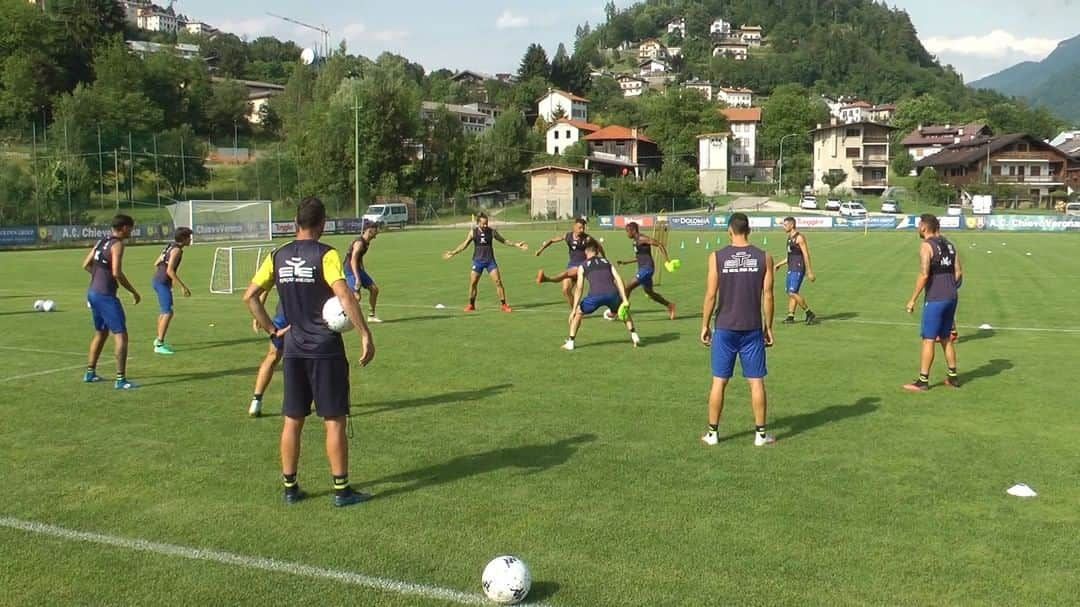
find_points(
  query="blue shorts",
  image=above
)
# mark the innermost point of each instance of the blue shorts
(573, 265)
(164, 296)
(593, 303)
(794, 281)
(480, 266)
(366, 281)
(644, 276)
(938, 318)
(279, 342)
(107, 313)
(748, 346)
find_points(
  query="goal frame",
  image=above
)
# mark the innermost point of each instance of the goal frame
(187, 220)
(232, 265)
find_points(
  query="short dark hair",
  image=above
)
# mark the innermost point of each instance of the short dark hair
(930, 221)
(480, 216)
(311, 213)
(581, 221)
(182, 234)
(593, 245)
(739, 223)
(792, 220)
(634, 225)
(121, 221)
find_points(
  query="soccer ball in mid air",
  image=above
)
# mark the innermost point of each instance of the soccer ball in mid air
(48, 305)
(507, 580)
(335, 316)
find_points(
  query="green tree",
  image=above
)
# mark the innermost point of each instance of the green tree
(929, 188)
(228, 53)
(16, 192)
(833, 179)
(182, 160)
(444, 153)
(227, 107)
(534, 64)
(903, 164)
(790, 110)
(925, 109)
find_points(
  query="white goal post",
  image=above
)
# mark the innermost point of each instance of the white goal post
(218, 220)
(234, 266)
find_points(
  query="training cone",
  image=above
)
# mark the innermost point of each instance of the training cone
(718, 240)
(706, 246)
(682, 245)
(765, 241)
(697, 240)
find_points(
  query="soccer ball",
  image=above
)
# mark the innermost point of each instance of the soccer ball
(48, 305)
(39, 305)
(507, 580)
(335, 316)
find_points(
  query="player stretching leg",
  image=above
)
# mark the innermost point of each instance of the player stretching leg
(166, 267)
(272, 358)
(799, 266)
(355, 275)
(940, 274)
(739, 292)
(646, 266)
(482, 238)
(605, 290)
(575, 242)
(105, 263)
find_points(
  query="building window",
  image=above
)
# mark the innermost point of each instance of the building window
(556, 150)
(1012, 171)
(552, 178)
(568, 134)
(1035, 171)
(995, 169)
(853, 153)
(556, 134)
(853, 132)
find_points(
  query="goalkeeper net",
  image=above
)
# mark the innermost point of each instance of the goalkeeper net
(234, 267)
(224, 221)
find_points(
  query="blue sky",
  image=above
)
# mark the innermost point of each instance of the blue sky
(978, 37)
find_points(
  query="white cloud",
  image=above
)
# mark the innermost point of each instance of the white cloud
(996, 44)
(508, 20)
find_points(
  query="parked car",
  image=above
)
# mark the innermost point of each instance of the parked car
(808, 202)
(955, 209)
(832, 204)
(853, 209)
(1073, 208)
(890, 206)
(387, 215)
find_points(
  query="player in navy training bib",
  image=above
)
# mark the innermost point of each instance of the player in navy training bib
(166, 271)
(940, 275)
(483, 237)
(575, 241)
(799, 267)
(105, 263)
(606, 290)
(643, 257)
(356, 275)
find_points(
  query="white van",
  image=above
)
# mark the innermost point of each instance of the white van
(387, 215)
(1073, 208)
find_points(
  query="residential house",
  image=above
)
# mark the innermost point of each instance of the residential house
(713, 164)
(143, 49)
(1033, 166)
(132, 8)
(653, 67)
(571, 106)
(883, 113)
(1064, 137)
(652, 49)
(199, 28)
(154, 18)
(720, 28)
(743, 123)
(856, 111)
(565, 133)
(929, 140)
(506, 78)
(735, 96)
(674, 51)
(751, 35)
(259, 93)
(677, 25)
(621, 151)
(860, 150)
(632, 86)
(560, 192)
(476, 118)
(704, 87)
(473, 82)
(736, 49)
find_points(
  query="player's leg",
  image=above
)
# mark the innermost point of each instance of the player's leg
(722, 359)
(97, 344)
(474, 280)
(262, 379)
(933, 322)
(752, 356)
(568, 289)
(116, 321)
(948, 344)
(373, 300)
(587, 306)
(613, 308)
(496, 277)
(295, 407)
(330, 382)
(658, 298)
(165, 305)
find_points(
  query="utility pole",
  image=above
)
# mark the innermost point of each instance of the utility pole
(356, 157)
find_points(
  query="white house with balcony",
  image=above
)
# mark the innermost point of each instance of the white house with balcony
(157, 19)
(632, 86)
(652, 49)
(735, 96)
(572, 106)
(751, 35)
(701, 86)
(743, 124)
(653, 67)
(677, 25)
(735, 49)
(719, 27)
(565, 133)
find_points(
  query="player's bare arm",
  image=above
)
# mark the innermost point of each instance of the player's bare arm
(354, 265)
(88, 263)
(352, 310)
(461, 247)
(925, 255)
(548, 243)
(622, 286)
(708, 308)
(768, 303)
(255, 298)
(520, 244)
(170, 269)
(806, 257)
(780, 264)
(959, 271)
(118, 271)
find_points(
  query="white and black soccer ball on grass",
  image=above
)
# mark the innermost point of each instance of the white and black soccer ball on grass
(507, 580)
(44, 305)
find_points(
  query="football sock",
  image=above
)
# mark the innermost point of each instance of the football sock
(760, 430)
(952, 373)
(472, 301)
(289, 480)
(341, 484)
(257, 397)
(572, 338)
(119, 377)
(714, 428)
(503, 301)
(924, 378)
(91, 370)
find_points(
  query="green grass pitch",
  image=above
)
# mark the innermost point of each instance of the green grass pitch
(480, 437)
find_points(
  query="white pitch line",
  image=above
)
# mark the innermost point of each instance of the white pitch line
(251, 562)
(41, 351)
(38, 373)
(996, 328)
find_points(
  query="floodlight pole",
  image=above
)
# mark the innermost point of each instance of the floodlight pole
(356, 156)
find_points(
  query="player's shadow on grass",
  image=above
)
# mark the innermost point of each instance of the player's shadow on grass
(837, 316)
(418, 318)
(529, 459)
(211, 345)
(20, 312)
(646, 340)
(541, 591)
(446, 398)
(194, 377)
(980, 334)
(794, 425)
(996, 366)
(545, 304)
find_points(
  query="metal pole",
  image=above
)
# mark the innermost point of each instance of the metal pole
(236, 156)
(116, 176)
(100, 169)
(33, 164)
(131, 173)
(67, 172)
(258, 181)
(157, 173)
(356, 157)
(183, 168)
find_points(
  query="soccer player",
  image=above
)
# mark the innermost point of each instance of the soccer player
(940, 274)
(482, 237)
(272, 358)
(105, 263)
(166, 267)
(739, 291)
(355, 275)
(307, 273)
(605, 290)
(799, 266)
(646, 266)
(575, 242)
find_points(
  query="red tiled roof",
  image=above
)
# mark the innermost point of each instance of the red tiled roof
(616, 132)
(861, 104)
(742, 114)
(579, 124)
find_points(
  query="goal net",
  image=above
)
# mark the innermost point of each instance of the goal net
(211, 220)
(234, 267)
